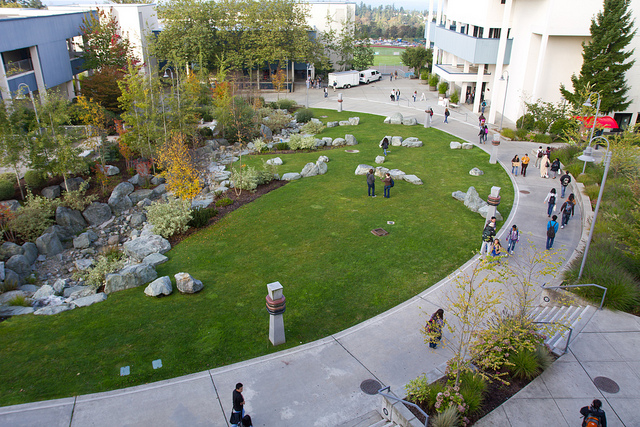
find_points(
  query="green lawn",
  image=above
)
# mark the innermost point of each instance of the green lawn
(385, 56)
(312, 235)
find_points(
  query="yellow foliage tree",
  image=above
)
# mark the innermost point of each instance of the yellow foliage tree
(175, 160)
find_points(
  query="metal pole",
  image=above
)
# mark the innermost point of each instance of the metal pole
(607, 161)
(504, 104)
(595, 119)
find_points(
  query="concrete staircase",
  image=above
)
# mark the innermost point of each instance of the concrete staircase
(370, 419)
(573, 316)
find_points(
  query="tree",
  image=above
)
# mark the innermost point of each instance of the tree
(104, 46)
(362, 56)
(103, 88)
(95, 120)
(416, 58)
(605, 60)
(13, 143)
(181, 175)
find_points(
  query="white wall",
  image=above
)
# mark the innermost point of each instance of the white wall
(338, 12)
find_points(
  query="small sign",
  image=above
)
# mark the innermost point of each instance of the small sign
(391, 222)
(156, 364)
(124, 371)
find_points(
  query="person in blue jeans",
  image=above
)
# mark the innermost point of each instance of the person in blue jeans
(446, 115)
(385, 145)
(512, 238)
(552, 229)
(551, 201)
(387, 184)
(371, 183)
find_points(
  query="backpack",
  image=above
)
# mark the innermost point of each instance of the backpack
(539, 154)
(551, 231)
(486, 234)
(552, 200)
(592, 421)
(486, 130)
(392, 182)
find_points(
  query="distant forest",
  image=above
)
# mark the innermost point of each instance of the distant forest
(389, 23)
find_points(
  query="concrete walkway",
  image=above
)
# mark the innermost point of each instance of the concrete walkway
(318, 384)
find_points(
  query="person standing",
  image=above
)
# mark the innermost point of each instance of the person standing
(512, 238)
(434, 326)
(515, 164)
(446, 115)
(486, 132)
(497, 251)
(555, 167)
(481, 134)
(415, 95)
(326, 92)
(592, 413)
(397, 94)
(539, 154)
(544, 167)
(565, 180)
(393, 95)
(237, 412)
(488, 234)
(385, 145)
(335, 84)
(551, 201)
(525, 164)
(552, 229)
(567, 210)
(388, 183)
(422, 97)
(371, 183)
(484, 105)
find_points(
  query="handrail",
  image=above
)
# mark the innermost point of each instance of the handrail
(577, 286)
(566, 346)
(388, 388)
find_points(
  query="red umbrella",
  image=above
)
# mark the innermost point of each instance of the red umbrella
(606, 122)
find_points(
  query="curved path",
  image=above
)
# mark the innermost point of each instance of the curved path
(318, 384)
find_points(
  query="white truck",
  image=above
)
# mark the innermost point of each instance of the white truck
(370, 75)
(344, 79)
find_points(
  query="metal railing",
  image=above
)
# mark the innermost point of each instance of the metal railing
(18, 67)
(604, 294)
(566, 346)
(413, 405)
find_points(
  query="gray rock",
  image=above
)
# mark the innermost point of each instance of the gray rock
(411, 121)
(476, 172)
(58, 286)
(1, 271)
(354, 121)
(129, 277)
(111, 170)
(265, 132)
(83, 264)
(138, 195)
(350, 139)
(338, 142)
(319, 142)
(397, 174)
(310, 169)
(473, 201)
(187, 284)
(12, 279)
(316, 121)
(12, 205)
(8, 311)
(88, 300)
(381, 171)
(64, 233)
(113, 240)
(203, 203)
(29, 289)
(291, 176)
(135, 180)
(119, 200)
(52, 192)
(363, 169)
(9, 249)
(20, 264)
(459, 195)
(85, 291)
(412, 179)
(394, 119)
(53, 309)
(327, 141)
(332, 124)
(160, 189)
(30, 250)
(49, 244)
(484, 211)
(71, 218)
(222, 189)
(455, 145)
(344, 123)
(97, 213)
(380, 159)
(82, 241)
(11, 295)
(412, 142)
(396, 141)
(467, 146)
(67, 292)
(220, 176)
(323, 159)
(322, 167)
(44, 292)
(160, 286)
(275, 161)
(155, 259)
(73, 184)
(146, 245)
(157, 180)
(137, 219)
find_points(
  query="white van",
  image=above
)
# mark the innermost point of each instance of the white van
(368, 76)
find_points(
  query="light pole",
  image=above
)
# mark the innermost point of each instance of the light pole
(593, 126)
(504, 103)
(20, 96)
(587, 157)
(308, 82)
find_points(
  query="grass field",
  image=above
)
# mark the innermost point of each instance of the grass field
(385, 56)
(313, 235)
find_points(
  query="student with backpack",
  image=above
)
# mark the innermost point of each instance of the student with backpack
(593, 416)
(488, 234)
(515, 164)
(552, 229)
(539, 155)
(446, 115)
(551, 201)
(565, 180)
(433, 328)
(567, 210)
(512, 238)
(388, 183)
(555, 167)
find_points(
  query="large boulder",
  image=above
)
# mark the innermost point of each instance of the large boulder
(484, 211)
(187, 284)
(379, 159)
(266, 132)
(119, 200)
(45, 291)
(338, 142)
(412, 179)
(52, 192)
(49, 244)
(11, 295)
(155, 259)
(350, 139)
(363, 169)
(30, 250)
(73, 184)
(277, 161)
(396, 141)
(381, 171)
(291, 176)
(410, 121)
(323, 159)
(412, 142)
(394, 119)
(9, 249)
(344, 123)
(12, 205)
(322, 167)
(142, 246)
(327, 141)
(129, 277)
(473, 201)
(476, 172)
(83, 264)
(12, 279)
(53, 309)
(459, 195)
(397, 174)
(455, 145)
(310, 169)
(160, 286)
(319, 142)
(354, 121)
(88, 300)
(20, 264)
(14, 310)
(467, 146)
(82, 241)
(138, 195)
(97, 213)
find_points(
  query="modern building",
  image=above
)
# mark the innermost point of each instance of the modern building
(509, 52)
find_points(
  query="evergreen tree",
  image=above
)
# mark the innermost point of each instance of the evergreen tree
(605, 60)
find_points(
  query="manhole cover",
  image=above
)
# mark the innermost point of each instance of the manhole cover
(351, 151)
(380, 232)
(525, 192)
(370, 386)
(606, 384)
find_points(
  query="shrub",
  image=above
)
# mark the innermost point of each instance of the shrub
(472, 386)
(281, 146)
(259, 145)
(542, 138)
(508, 133)
(433, 80)
(248, 178)
(77, 199)
(312, 128)
(205, 132)
(560, 126)
(521, 134)
(567, 154)
(450, 417)
(277, 121)
(34, 217)
(95, 276)
(541, 126)
(6, 189)
(443, 88)
(169, 218)
(419, 391)
(225, 201)
(304, 115)
(299, 142)
(200, 217)
(34, 179)
(19, 301)
(455, 97)
(424, 75)
(284, 104)
(543, 357)
(526, 122)
(524, 365)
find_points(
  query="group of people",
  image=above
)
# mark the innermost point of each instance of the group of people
(492, 246)
(395, 95)
(545, 165)
(517, 163)
(371, 183)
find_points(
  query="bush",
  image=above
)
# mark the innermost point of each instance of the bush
(526, 122)
(542, 138)
(19, 301)
(433, 80)
(6, 190)
(524, 365)
(472, 386)
(259, 145)
(521, 134)
(225, 201)
(200, 217)
(77, 199)
(34, 179)
(33, 218)
(455, 97)
(312, 128)
(443, 88)
(205, 132)
(561, 126)
(543, 357)
(450, 417)
(277, 121)
(304, 115)
(299, 142)
(248, 178)
(567, 154)
(284, 104)
(424, 75)
(95, 276)
(7, 176)
(169, 218)
(508, 133)
(541, 126)
(281, 146)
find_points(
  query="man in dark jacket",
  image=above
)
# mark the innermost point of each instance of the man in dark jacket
(371, 183)
(595, 411)
(488, 234)
(565, 180)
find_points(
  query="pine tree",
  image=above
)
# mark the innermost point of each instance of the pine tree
(605, 60)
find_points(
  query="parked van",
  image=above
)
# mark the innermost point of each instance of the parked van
(368, 76)
(344, 79)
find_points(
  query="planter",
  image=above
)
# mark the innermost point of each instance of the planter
(432, 87)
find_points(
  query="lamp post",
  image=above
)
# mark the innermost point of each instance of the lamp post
(35, 110)
(504, 103)
(308, 82)
(593, 126)
(587, 157)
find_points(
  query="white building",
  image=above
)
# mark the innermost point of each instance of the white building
(480, 45)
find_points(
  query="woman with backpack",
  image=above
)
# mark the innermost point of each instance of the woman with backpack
(512, 238)
(497, 251)
(433, 328)
(555, 167)
(552, 229)
(567, 210)
(551, 201)
(481, 134)
(593, 416)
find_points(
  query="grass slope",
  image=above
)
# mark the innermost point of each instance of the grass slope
(312, 235)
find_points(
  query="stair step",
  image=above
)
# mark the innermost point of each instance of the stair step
(578, 324)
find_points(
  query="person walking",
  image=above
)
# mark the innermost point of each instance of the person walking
(446, 115)
(544, 167)
(433, 328)
(484, 105)
(335, 84)
(593, 415)
(565, 180)
(515, 164)
(567, 210)
(393, 95)
(398, 95)
(525, 164)
(539, 155)
(512, 238)
(422, 97)
(326, 92)
(555, 167)
(481, 134)
(415, 95)
(552, 229)
(371, 183)
(550, 200)
(237, 413)
(388, 183)
(481, 120)
(488, 234)
(385, 145)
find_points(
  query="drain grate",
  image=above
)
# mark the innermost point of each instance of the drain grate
(379, 231)
(525, 191)
(606, 384)
(370, 386)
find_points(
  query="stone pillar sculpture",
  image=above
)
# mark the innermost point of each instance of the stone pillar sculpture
(494, 149)
(339, 103)
(276, 306)
(493, 200)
